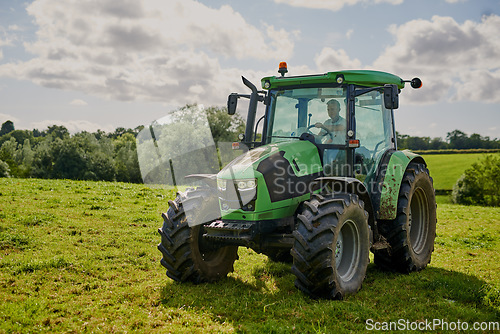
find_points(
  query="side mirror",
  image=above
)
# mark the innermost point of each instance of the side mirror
(391, 96)
(416, 83)
(232, 102)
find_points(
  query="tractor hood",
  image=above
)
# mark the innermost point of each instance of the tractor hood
(268, 182)
(299, 156)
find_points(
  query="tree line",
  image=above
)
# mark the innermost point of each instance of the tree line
(455, 140)
(54, 153)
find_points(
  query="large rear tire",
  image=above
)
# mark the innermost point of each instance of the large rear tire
(186, 256)
(331, 249)
(411, 234)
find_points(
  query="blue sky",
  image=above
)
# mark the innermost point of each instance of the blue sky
(92, 65)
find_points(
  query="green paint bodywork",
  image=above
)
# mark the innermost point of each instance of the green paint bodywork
(362, 78)
(392, 183)
(303, 153)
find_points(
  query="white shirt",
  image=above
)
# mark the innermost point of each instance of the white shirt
(338, 137)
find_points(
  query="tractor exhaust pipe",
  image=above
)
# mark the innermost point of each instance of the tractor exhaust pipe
(252, 109)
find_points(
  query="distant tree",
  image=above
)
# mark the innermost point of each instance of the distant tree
(4, 169)
(69, 160)
(224, 127)
(479, 183)
(101, 167)
(475, 141)
(402, 140)
(99, 134)
(437, 143)
(138, 129)
(121, 131)
(97, 156)
(7, 127)
(43, 158)
(457, 139)
(8, 152)
(24, 159)
(418, 143)
(37, 133)
(57, 131)
(19, 135)
(126, 162)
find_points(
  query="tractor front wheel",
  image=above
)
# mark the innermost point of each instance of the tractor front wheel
(331, 248)
(186, 256)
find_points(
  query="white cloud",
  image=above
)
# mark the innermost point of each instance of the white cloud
(455, 61)
(14, 27)
(336, 5)
(329, 59)
(73, 126)
(333, 5)
(6, 38)
(78, 102)
(143, 50)
(5, 42)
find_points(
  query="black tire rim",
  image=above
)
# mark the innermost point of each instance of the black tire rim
(418, 218)
(347, 251)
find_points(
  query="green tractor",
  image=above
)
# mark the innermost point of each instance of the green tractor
(321, 186)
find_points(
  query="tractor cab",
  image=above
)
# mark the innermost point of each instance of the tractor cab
(347, 115)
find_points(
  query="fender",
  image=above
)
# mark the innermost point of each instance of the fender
(386, 202)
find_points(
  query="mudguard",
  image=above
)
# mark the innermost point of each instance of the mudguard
(389, 192)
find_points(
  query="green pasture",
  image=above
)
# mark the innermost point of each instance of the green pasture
(81, 257)
(446, 169)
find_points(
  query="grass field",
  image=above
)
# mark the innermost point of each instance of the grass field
(446, 169)
(81, 257)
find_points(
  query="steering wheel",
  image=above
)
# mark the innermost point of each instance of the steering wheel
(325, 137)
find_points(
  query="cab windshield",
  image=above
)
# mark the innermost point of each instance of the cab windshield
(319, 111)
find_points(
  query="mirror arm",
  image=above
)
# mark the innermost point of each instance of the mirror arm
(359, 92)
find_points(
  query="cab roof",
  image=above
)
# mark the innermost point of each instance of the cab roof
(365, 78)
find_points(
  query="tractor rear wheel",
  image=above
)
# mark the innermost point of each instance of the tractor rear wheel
(186, 256)
(411, 234)
(331, 248)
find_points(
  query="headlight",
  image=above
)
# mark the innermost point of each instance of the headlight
(221, 184)
(246, 184)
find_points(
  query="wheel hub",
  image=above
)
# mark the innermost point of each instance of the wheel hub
(417, 220)
(339, 250)
(347, 250)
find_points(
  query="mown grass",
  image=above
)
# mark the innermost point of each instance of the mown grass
(446, 169)
(82, 257)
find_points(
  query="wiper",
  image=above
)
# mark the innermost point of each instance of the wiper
(364, 107)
